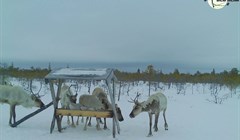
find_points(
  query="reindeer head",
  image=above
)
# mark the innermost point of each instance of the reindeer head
(119, 113)
(37, 101)
(36, 96)
(72, 98)
(137, 108)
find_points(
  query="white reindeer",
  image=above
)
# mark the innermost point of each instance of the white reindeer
(154, 105)
(66, 98)
(15, 95)
(102, 96)
(91, 102)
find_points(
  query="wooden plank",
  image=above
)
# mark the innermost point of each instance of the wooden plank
(87, 113)
(31, 115)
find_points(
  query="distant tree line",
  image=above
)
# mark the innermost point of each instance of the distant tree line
(152, 77)
(229, 78)
(32, 73)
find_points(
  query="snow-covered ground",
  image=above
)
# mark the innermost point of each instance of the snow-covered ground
(190, 116)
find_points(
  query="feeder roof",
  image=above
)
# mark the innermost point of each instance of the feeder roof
(81, 74)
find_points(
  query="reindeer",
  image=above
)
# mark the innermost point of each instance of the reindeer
(91, 102)
(102, 96)
(15, 95)
(66, 98)
(154, 105)
(97, 101)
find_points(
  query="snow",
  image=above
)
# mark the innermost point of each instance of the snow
(190, 116)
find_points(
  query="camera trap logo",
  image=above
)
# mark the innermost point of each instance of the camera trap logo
(219, 4)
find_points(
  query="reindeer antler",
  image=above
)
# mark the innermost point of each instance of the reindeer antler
(75, 86)
(37, 93)
(135, 100)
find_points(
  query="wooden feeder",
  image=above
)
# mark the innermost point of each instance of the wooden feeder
(78, 74)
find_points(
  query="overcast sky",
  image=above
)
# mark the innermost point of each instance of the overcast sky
(187, 32)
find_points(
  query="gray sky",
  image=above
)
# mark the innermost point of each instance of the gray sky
(187, 32)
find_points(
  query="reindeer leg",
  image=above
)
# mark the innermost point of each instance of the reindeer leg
(85, 127)
(82, 120)
(78, 120)
(156, 122)
(89, 123)
(60, 118)
(165, 121)
(73, 125)
(150, 125)
(14, 114)
(11, 115)
(105, 124)
(68, 120)
(98, 124)
(101, 121)
(77, 123)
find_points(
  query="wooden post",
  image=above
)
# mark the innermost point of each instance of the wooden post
(31, 115)
(115, 119)
(117, 123)
(55, 99)
(54, 105)
(114, 127)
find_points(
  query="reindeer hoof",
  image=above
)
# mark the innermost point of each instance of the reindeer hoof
(166, 126)
(84, 128)
(105, 128)
(98, 127)
(73, 125)
(150, 135)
